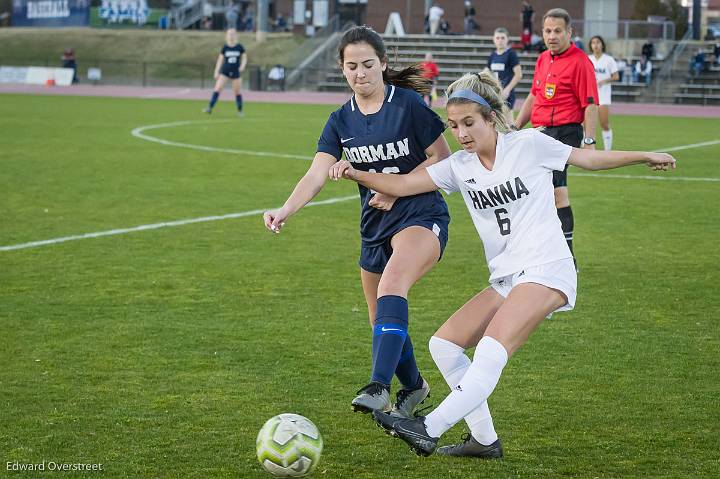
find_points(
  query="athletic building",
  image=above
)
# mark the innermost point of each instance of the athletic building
(490, 13)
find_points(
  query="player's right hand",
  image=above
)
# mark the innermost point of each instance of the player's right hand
(275, 219)
(341, 169)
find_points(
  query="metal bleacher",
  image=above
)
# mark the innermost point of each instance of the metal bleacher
(703, 89)
(456, 55)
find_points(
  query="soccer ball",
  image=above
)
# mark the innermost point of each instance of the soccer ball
(289, 445)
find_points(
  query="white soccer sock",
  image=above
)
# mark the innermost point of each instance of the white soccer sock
(607, 139)
(453, 363)
(474, 388)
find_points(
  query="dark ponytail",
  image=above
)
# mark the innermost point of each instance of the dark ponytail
(410, 77)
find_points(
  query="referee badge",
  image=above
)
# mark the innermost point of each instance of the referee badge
(549, 90)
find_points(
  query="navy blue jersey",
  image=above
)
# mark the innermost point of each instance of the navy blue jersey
(393, 140)
(232, 57)
(502, 65)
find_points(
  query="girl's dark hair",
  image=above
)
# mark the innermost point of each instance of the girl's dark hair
(602, 42)
(410, 77)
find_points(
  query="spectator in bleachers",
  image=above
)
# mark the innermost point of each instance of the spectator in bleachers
(643, 71)
(276, 78)
(207, 16)
(698, 63)
(232, 14)
(537, 43)
(527, 16)
(431, 72)
(716, 52)
(505, 65)
(444, 27)
(621, 64)
(281, 24)
(435, 14)
(578, 42)
(648, 50)
(526, 40)
(470, 24)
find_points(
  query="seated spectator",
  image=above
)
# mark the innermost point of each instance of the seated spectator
(281, 24)
(716, 52)
(276, 78)
(207, 16)
(538, 44)
(648, 50)
(526, 40)
(470, 24)
(621, 64)
(444, 27)
(643, 71)
(698, 63)
(68, 61)
(579, 43)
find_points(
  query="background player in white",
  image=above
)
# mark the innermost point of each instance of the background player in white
(606, 72)
(505, 180)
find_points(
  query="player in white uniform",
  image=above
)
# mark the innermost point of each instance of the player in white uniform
(606, 71)
(505, 179)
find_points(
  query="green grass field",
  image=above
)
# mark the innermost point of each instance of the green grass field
(161, 353)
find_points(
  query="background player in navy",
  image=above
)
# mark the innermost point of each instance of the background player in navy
(229, 66)
(385, 127)
(504, 63)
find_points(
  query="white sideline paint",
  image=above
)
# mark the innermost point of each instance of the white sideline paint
(155, 226)
(138, 133)
(687, 147)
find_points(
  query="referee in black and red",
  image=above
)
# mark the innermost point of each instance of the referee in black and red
(563, 97)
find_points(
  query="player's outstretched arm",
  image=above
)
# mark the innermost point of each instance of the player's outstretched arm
(413, 183)
(306, 189)
(607, 160)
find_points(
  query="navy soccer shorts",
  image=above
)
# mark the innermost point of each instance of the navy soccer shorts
(375, 258)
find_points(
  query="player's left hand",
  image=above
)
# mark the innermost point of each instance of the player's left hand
(660, 161)
(382, 201)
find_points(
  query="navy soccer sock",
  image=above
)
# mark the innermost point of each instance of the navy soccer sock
(238, 102)
(407, 371)
(214, 99)
(389, 334)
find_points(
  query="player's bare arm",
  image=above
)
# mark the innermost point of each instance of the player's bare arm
(306, 189)
(438, 151)
(607, 160)
(413, 183)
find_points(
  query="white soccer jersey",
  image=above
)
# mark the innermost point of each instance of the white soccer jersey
(604, 66)
(512, 206)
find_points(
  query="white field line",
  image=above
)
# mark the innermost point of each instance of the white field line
(138, 133)
(154, 226)
(687, 147)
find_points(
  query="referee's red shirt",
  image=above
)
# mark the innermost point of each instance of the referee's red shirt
(563, 86)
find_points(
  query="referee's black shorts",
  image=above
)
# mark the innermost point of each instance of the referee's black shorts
(570, 134)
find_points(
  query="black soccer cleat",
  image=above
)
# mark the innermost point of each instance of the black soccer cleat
(412, 431)
(472, 448)
(375, 396)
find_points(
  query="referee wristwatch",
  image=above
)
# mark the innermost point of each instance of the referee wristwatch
(589, 141)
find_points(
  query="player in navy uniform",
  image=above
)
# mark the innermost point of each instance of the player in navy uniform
(229, 66)
(504, 63)
(384, 127)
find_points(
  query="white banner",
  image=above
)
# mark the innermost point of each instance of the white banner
(36, 75)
